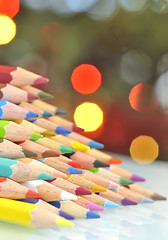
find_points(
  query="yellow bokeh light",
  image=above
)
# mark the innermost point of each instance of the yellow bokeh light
(144, 149)
(7, 29)
(88, 116)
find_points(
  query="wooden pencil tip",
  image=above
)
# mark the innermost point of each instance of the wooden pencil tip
(158, 197)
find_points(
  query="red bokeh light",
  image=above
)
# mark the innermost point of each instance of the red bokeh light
(86, 79)
(9, 7)
(142, 98)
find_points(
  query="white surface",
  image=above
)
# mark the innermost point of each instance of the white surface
(142, 222)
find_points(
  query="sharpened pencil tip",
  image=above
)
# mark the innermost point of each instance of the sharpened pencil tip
(77, 129)
(62, 222)
(46, 114)
(32, 194)
(75, 164)
(28, 153)
(146, 200)
(36, 136)
(68, 196)
(44, 176)
(31, 115)
(73, 170)
(136, 178)
(98, 164)
(62, 130)
(94, 144)
(110, 204)
(124, 181)
(158, 197)
(31, 97)
(96, 188)
(65, 149)
(65, 215)
(60, 112)
(79, 146)
(44, 95)
(81, 191)
(41, 80)
(114, 160)
(126, 201)
(93, 207)
(91, 215)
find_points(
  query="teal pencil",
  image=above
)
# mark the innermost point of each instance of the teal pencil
(20, 172)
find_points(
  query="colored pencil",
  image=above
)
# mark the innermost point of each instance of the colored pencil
(74, 209)
(111, 176)
(53, 145)
(146, 192)
(69, 187)
(60, 166)
(13, 190)
(48, 107)
(26, 124)
(38, 150)
(134, 196)
(88, 185)
(86, 160)
(48, 191)
(100, 201)
(87, 204)
(42, 167)
(9, 149)
(20, 172)
(37, 92)
(47, 206)
(41, 113)
(115, 197)
(16, 133)
(70, 143)
(65, 123)
(18, 76)
(30, 215)
(10, 111)
(103, 157)
(85, 140)
(55, 128)
(15, 95)
(106, 183)
(50, 161)
(126, 174)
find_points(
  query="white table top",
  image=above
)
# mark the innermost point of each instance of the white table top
(142, 222)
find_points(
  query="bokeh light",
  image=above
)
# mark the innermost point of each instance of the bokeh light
(161, 89)
(159, 6)
(9, 7)
(103, 10)
(162, 65)
(135, 67)
(142, 98)
(144, 149)
(86, 79)
(88, 116)
(79, 6)
(133, 5)
(7, 29)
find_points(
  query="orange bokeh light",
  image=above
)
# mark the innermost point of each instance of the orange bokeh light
(9, 7)
(86, 79)
(142, 98)
(144, 149)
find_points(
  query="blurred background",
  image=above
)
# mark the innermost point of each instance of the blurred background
(126, 40)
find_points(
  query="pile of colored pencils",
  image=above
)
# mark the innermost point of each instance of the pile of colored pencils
(49, 173)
